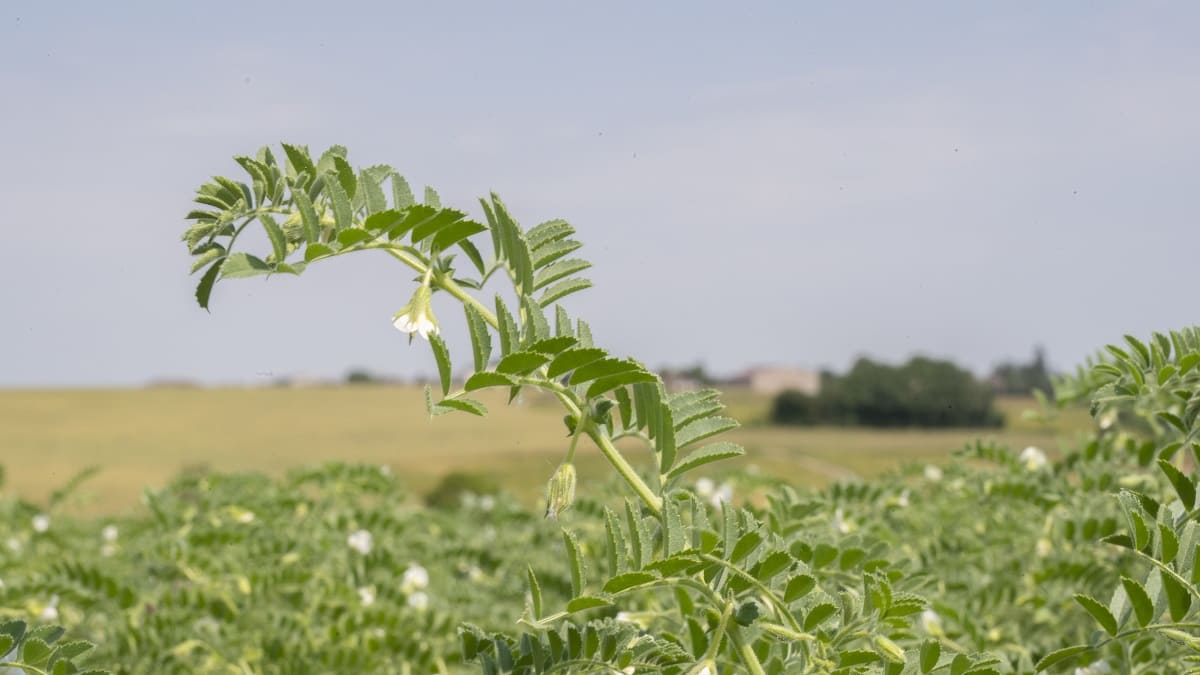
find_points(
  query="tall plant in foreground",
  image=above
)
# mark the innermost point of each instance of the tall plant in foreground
(701, 589)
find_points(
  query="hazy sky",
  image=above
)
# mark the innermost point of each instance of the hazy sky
(755, 182)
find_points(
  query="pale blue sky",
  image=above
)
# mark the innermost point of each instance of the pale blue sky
(755, 182)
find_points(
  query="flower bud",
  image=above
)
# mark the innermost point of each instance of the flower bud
(560, 491)
(890, 650)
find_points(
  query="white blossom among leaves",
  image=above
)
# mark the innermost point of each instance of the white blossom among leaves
(361, 541)
(417, 315)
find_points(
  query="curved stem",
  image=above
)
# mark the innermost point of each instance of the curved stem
(623, 467)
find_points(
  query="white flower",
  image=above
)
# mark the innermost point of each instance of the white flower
(628, 670)
(1044, 547)
(624, 617)
(109, 534)
(385, 470)
(840, 523)
(931, 623)
(360, 541)
(415, 578)
(50, 611)
(242, 516)
(14, 544)
(367, 595)
(417, 315)
(724, 493)
(1107, 419)
(705, 488)
(1095, 668)
(933, 473)
(1032, 458)
(902, 500)
(41, 522)
(487, 502)
(418, 601)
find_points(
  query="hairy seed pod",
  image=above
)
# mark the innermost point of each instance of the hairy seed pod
(560, 491)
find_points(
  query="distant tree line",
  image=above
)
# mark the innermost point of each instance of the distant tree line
(1022, 379)
(921, 393)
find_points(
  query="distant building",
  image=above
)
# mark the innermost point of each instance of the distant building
(775, 379)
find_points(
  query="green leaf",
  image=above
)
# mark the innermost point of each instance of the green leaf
(558, 270)
(1099, 612)
(1168, 542)
(745, 545)
(705, 455)
(798, 587)
(240, 265)
(563, 289)
(703, 428)
(628, 580)
(931, 651)
(1179, 600)
(553, 345)
(509, 337)
(776, 563)
(465, 404)
(343, 213)
(373, 197)
(1142, 605)
(674, 540)
(616, 551)
(1184, 486)
(586, 602)
(606, 384)
(455, 233)
(402, 195)
(345, 176)
(442, 355)
(638, 541)
(441, 219)
(70, 650)
(603, 368)
(857, 657)
(664, 435)
(572, 359)
(1058, 656)
(521, 363)
(299, 158)
(484, 379)
(353, 235)
(551, 230)
(6, 643)
(473, 254)
(818, 615)
(548, 252)
(536, 326)
(481, 337)
(204, 288)
(35, 651)
(384, 221)
(308, 216)
(575, 559)
(432, 198)
(535, 592)
(315, 251)
(276, 236)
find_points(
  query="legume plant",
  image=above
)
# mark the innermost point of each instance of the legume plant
(1003, 561)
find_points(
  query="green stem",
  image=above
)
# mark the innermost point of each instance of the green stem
(23, 666)
(440, 280)
(749, 658)
(614, 456)
(780, 606)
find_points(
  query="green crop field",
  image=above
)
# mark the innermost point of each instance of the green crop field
(142, 437)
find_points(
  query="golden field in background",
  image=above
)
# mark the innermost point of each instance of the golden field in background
(143, 437)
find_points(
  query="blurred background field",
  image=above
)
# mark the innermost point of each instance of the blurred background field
(143, 437)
